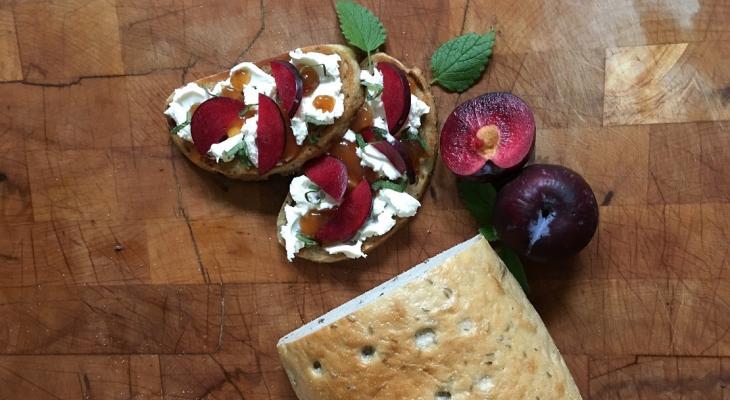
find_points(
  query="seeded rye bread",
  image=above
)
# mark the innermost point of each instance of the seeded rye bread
(328, 134)
(429, 132)
(457, 327)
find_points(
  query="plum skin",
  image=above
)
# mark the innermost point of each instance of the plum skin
(547, 212)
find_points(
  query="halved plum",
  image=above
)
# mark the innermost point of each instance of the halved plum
(393, 155)
(270, 133)
(330, 174)
(289, 85)
(488, 136)
(349, 216)
(211, 120)
(396, 95)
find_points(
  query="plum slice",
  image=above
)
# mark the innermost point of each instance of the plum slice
(396, 95)
(270, 133)
(488, 136)
(211, 120)
(330, 174)
(405, 153)
(547, 212)
(289, 85)
(392, 154)
(349, 216)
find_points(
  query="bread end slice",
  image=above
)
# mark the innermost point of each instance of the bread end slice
(457, 326)
(328, 134)
(429, 132)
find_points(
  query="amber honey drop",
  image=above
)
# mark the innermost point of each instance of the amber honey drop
(240, 78)
(310, 79)
(235, 128)
(363, 119)
(312, 221)
(324, 103)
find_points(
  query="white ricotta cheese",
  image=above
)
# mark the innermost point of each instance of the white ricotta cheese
(330, 84)
(260, 82)
(182, 100)
(226, 149)
(418, 109)
(249, 139)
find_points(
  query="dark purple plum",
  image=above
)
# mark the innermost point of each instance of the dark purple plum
(547, 212)
(488, 137)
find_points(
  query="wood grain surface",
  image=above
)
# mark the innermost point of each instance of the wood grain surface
(127, 273)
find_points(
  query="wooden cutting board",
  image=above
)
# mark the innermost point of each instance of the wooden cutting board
(127, 273)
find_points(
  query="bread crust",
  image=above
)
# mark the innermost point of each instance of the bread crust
(488, 342)
(429, 132)
(328, 134)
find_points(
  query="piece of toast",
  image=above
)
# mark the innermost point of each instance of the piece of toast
(457, 326)
(328, 134)
(429, 132)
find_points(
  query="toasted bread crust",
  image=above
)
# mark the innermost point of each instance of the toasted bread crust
(429, 132)
(328, 134)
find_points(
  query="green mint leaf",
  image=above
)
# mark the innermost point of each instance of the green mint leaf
(360, 26)
(313, 138)
(458, 63)
(245, 157)
(489, 233)
(479, 199)
(178, 128)
(308, 241)
(360, 141)
(417, 137)
(380, 132)
(514, 265)
(374, 91)
(399, 186)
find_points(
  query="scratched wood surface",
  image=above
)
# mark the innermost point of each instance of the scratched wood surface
(127, 273)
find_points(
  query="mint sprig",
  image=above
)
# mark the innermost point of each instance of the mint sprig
(479, 199)
(360, 26)
(308, 241)
(458, 63)
(398, 186)
(180, 127)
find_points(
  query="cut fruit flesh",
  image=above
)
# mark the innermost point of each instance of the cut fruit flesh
(349, 216)
(330, 174)
(211, 121)
(270, 134)
(496, 127)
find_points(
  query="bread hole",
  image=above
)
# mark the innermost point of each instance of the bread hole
(443, 395)
(317, 368)
(485, 384)
(425, 338)
(448, 292)
(367, 353)
(466, 326)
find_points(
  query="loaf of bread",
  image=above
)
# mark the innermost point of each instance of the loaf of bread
(457, 326)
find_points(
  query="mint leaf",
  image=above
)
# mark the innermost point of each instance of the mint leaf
(178, 128)
(360, 141)
(489, 233)
(381, 133)
(360, 26)
(308, 241)
(479, 199)
(512, 261)
(417, 137)
(458, 63)
(399, 186)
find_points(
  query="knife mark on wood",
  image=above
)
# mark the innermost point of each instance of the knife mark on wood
(3, 177)
(607, 199)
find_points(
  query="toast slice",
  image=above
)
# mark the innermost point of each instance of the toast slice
(428, 131)
(326, 134)
(457, 326)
